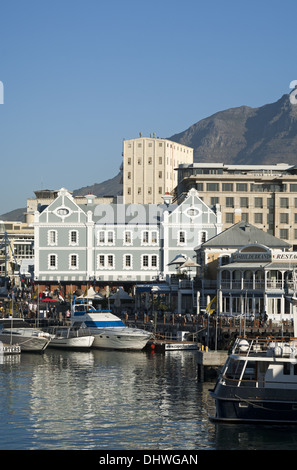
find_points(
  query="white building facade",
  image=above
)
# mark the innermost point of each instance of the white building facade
(149, 168)
(118, 242)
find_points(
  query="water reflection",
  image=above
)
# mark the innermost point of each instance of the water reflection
(114, 400)
(108, 400)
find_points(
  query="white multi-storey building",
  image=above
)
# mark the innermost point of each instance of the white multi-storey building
(149, 168)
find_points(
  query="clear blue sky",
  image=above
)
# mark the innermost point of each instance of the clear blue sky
(81, 75)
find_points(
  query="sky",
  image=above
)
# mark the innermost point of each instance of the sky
(79, 76)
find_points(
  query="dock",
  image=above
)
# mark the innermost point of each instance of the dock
(163, 345)
(7, 349)
(210, 362)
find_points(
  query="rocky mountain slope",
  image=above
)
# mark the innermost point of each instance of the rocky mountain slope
(242, 135)
(245, 135)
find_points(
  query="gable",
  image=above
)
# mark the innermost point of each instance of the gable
(63, 210)
(193, 210)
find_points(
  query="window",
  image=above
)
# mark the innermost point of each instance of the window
(241, 186)
(181, 237)
(287, 368)
(101, 236)
(259, 202)
(127, 261)
(284, 203)
(52, 237)
(110, 237)
(212, 186)
(128, 237)
(200, 186)
(145, 261)
(110, 261)
(284, 234)
(145, 237)
(229, 202)
(203, 237)
(293, 188)
(149, 237)
(284, 218)
(214, 201)
(154, 237)
(105, 261)
(52, 262)
(106, 237)
(229, 218)
(149, 261)
(228, 187)
(73, 261)
(244, 202)
(258, 218)
(73, 237)
(154, 262)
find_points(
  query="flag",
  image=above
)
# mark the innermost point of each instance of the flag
(210, 310)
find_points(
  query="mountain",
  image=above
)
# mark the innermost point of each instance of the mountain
(242, 135)
(245, 135)
(111, 187)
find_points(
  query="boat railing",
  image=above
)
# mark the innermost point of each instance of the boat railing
(270, 345)
(241, 370)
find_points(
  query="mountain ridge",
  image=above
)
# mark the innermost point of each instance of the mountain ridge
(239, 135)
(245, 135)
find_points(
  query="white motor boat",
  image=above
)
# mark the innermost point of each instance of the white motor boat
(29, 339)
(70, 338)
(108, 330)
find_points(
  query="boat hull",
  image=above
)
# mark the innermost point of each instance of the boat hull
(122, 338)
(80, 342)
(27, 343)
(250, 405)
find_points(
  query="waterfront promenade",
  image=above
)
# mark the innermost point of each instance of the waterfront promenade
(207, 330)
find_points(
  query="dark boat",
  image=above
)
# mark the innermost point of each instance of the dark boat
(258, 383)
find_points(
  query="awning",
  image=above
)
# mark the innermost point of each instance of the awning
(157, 288)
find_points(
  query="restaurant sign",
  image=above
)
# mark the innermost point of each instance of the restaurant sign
(287, 256)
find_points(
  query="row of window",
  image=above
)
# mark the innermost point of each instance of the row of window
(107, 237)
(140, 190)
(246, 187)
(258, 218)
(107, 261)
(257, 202)
(73, 237)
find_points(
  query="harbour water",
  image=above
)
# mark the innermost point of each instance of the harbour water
(121, 401)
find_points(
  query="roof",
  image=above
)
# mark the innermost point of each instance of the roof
(111, 213)
(242, 234)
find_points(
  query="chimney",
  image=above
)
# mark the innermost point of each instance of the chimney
(90, 199)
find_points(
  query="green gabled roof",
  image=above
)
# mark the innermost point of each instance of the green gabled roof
(242, 234)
